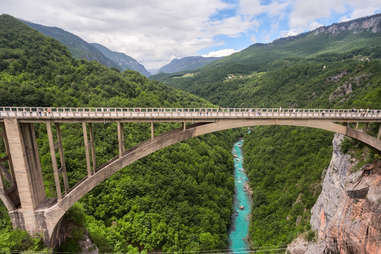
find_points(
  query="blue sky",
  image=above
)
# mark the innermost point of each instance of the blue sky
(156, 31)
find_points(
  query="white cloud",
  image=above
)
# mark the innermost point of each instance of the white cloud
(154, 31)
(305, 14)
(219, 53)
(255, 7)
(151, 31)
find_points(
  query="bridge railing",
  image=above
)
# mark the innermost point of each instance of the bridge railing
(106, 112)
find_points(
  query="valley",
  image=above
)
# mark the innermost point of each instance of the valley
(188, 197)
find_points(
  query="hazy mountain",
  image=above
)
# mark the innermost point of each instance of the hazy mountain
(123, 61)
(187, 64)
(360, 37)
(77, 46)
(81, 49)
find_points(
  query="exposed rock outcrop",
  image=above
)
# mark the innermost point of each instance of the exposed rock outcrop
(347, 214)
(87, 246)
(370, 24)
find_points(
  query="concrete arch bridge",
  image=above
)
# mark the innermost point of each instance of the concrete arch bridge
(21, 185)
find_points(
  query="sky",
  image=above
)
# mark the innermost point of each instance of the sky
(156, 31)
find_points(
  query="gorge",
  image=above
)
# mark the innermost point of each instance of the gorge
(180, 199)
(238, 236)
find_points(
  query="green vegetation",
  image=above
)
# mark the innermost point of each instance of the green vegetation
(15, 240)
(186, 64)
(285, 164)
(80, 49)
(180, 198)
(284, 168)
(176, 199)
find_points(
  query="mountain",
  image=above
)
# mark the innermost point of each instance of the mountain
(123, 61)
(174, 200)
(77, 46)
(90, 51)
(189, 63)
(337, 66)
(361, 34)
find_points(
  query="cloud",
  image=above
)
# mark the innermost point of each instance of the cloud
(220, 53)
(305, 14)
(151, 31)
(154, 31)
(255, 7)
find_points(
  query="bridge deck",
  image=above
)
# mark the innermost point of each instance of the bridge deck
(35, 114)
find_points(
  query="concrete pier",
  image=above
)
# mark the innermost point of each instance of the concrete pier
(28, 174)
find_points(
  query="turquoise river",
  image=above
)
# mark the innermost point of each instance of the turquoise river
(242, 205)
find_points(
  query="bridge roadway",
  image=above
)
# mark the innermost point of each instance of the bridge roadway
(21, 182)
(34, 114)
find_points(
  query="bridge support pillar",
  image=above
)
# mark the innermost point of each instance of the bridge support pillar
(92, 147)
(62, 158)
(152, 131)
(87, 153)
(184, 126)
(121, 139)
(28, 175)
(54, 161)
(379, 132)
(357, 125)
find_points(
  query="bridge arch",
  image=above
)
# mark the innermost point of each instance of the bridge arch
(54, 214)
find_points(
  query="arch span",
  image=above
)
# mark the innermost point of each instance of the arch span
(54, 214)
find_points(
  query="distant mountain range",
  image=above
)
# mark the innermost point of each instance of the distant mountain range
(240, 75)
(122, 60)
(90, 51)
(189, 63)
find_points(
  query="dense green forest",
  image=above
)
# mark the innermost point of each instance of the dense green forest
(179, 198)
(285, 164)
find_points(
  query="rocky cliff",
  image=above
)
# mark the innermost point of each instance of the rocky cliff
(347, 215)
(367, 24)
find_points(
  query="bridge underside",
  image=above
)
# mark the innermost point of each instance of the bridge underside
(35, 217)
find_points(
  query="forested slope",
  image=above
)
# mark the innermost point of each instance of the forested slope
(332, 67)
(176, 199)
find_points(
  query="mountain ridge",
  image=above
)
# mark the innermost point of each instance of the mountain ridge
(265, 57)
(188, 63)
(340, 26)
(90, 51)
(122, 60)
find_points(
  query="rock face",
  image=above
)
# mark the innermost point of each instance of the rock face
(369, 24)
(87, 246)
(123, 61)
(347, 214)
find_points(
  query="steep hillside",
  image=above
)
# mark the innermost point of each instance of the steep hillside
(77, 46)
(90, 51)
(189, 63)
(123, 61)
(176, 199)
(338, 66)
(360, 36)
